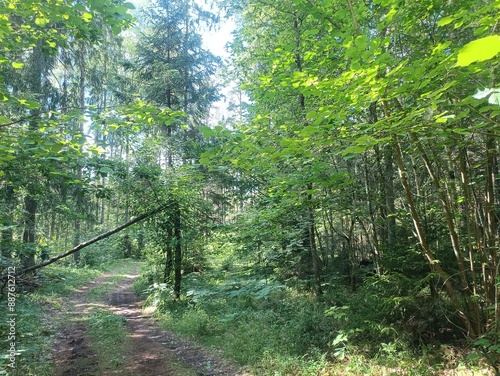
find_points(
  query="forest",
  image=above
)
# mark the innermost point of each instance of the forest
(322, 200)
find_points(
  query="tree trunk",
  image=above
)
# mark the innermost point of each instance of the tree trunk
(6, 238)
(471, 309)
(29, 235)
(312, 243)
(390, 207)
(310, 236)
(103, 203)
(81, 103)
(433, 263)
(176, 213)
(37, 67)
(490, 218)
(89, 242)
(169, 259)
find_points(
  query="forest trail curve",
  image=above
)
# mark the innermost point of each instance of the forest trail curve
(149, 350)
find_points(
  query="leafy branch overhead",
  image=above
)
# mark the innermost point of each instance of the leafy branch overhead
(331, 187)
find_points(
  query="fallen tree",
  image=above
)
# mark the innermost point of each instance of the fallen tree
(86, 243)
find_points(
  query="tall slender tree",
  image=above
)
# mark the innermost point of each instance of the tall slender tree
(176, 72)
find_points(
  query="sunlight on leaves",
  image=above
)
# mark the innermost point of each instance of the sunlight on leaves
(493, 95)
(479, 50)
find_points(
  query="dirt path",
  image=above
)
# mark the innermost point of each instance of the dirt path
(150, 350)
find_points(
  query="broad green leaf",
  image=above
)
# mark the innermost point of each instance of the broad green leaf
(445, 21)
(17, 65)
(444, 119)
(30, 104)
(96, 150)
(207, 132)
(79, 7)
(311, 115)
(479, 50)
(41, 21)
(87, 17)
(389, 16)
(204, 160)
(105, 170)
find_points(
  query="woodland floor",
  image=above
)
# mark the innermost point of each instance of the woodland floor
(149, 351)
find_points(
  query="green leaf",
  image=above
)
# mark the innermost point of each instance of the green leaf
(79, 7)
(207, 132)
(87, 17)
(41, 21)
(105, 170)
(479, 50)
(444, 119)
(445, 21)
(311, 115)
(29, 104)
(17, 65)
(204, 161)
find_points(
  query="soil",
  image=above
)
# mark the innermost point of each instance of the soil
(151, 350)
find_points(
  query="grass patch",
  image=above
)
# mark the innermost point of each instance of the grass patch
(33, 333)
(109, 338)
(107, 331)
(123, 273)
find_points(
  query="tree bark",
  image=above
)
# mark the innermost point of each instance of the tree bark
(433, 263)
(490, 218)
(390, 207)
(169, 260)
(176, 213)
(29, 235)
(6, 237)
(37, 67)
(81, 103)
(310, 237)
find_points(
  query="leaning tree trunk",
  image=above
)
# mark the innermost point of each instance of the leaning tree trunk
(88, 242)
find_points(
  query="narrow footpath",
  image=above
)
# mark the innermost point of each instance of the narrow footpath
(150, 351)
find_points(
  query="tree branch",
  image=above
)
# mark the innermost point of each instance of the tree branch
(26, 118)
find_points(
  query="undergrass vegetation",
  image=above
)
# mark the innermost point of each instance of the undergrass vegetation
(36, 322)
(106, 330)
(271, 328)
(109, 338)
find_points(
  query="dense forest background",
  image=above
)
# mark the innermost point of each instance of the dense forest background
(355, 167)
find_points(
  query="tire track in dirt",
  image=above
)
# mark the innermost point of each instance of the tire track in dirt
(72, 350)
(151, 351)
